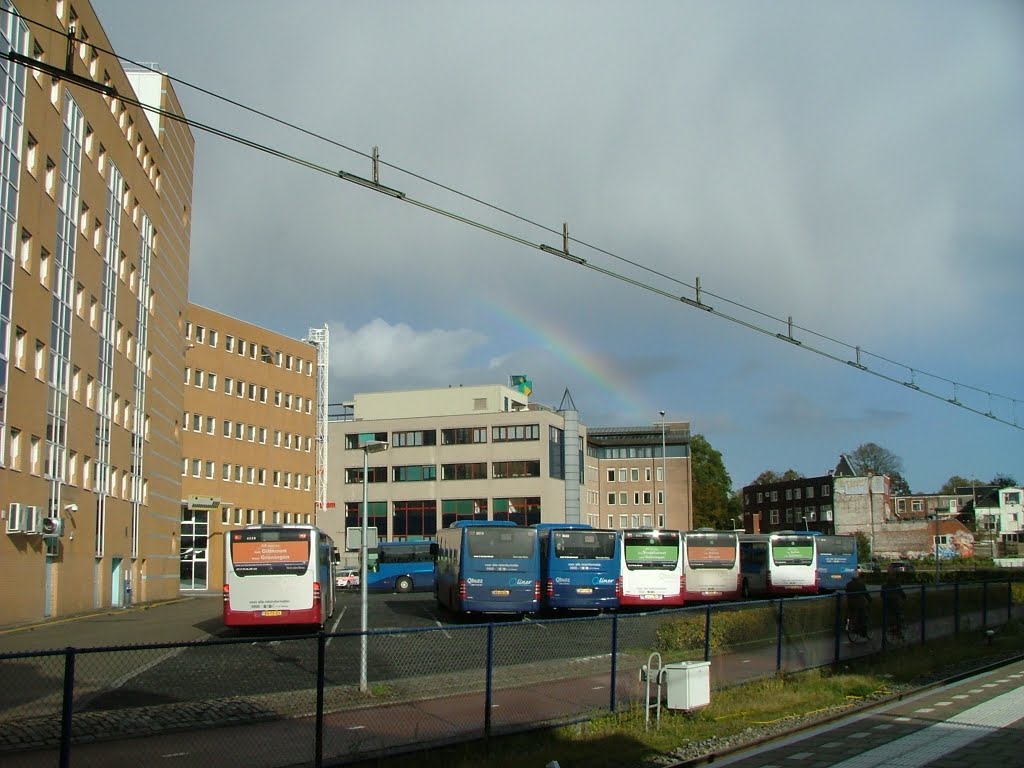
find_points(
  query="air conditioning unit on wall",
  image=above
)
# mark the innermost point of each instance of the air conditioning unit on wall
(15, 518)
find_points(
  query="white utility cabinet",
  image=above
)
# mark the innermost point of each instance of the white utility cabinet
(688, 684)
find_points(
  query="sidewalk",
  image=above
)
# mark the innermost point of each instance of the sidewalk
(178, 620)
(973, 723)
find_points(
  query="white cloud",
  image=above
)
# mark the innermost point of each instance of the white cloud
(380, 350)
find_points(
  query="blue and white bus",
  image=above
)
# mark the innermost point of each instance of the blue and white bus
(400, 566)
(778, 564)
(837, 559)
(487, 567)
(579, 567)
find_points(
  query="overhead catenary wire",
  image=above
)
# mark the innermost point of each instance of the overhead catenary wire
(564, 252)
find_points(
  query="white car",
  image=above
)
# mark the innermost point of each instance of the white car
(348, 577)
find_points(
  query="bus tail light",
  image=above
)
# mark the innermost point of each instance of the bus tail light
(536, 590)
(226, 591)
(551, 588)
(316, 592)
(462, 589)
(682, 583)
(618, 587)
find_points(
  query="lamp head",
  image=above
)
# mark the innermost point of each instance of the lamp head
(662, 414)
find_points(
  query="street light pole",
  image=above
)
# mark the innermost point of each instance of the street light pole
(370, 446)
(664, 472)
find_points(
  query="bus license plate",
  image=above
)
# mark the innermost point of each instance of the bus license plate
(271, 613)
(499, 592)
(650, 596)
(584, 591)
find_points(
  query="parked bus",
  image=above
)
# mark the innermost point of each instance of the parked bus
(711, 565)
(279, 575)
(487, 567)
(579, 567)
(837, 559)
(778, 564)
(400, 566)
(652, 568)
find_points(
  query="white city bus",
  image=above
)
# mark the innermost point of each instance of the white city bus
(280, 575)
(778, 564)
(652, 568)
(711, 565)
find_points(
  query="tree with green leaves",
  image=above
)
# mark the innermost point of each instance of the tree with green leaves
(873, 459)
(712, 486)
(1004, 481)
(957, 481)
(771, 476)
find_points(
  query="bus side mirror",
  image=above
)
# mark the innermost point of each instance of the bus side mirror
(335, 555)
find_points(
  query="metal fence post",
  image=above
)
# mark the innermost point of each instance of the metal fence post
(1009, 598)
(956, 607)
(924, 612)
(615, 661)
(707, 634)
(67, 707)
(838, 625)
(488, 693)
(321, 653)
(778, 642)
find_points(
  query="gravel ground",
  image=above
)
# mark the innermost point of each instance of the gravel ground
(705, 751)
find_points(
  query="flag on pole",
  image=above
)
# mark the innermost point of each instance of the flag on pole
(521, 384)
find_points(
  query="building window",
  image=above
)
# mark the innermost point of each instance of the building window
(510, 469)
(419, 437)
(414, 473)
(464, 436)
(471, 471)
(515, 433)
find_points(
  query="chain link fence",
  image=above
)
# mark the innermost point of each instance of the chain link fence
(318, 699)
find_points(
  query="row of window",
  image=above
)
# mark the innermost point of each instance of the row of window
(208, 380)
(792, 494)
(197, 422)
(632, 474)
(41, 462)
(500, 470)
(239, 516)
(236, 473)
(28, 260)
(800, 514)
(457, 436)
(639, 497)
(419, 519)
(210, 336)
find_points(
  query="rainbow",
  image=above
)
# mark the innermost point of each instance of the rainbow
(556, 340)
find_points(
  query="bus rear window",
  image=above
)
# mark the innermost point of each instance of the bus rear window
(584, 545)
(793, 551)
(501, 544)
(837, 545)
(651, 551)
(267, 553)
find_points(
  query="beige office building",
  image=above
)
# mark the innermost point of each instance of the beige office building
(248, 439)
(94, 257)
(488, 453)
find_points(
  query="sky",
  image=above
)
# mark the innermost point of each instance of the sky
(853, 169)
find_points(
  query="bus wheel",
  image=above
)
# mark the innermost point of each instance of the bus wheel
(746, 589)
(403, 584)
